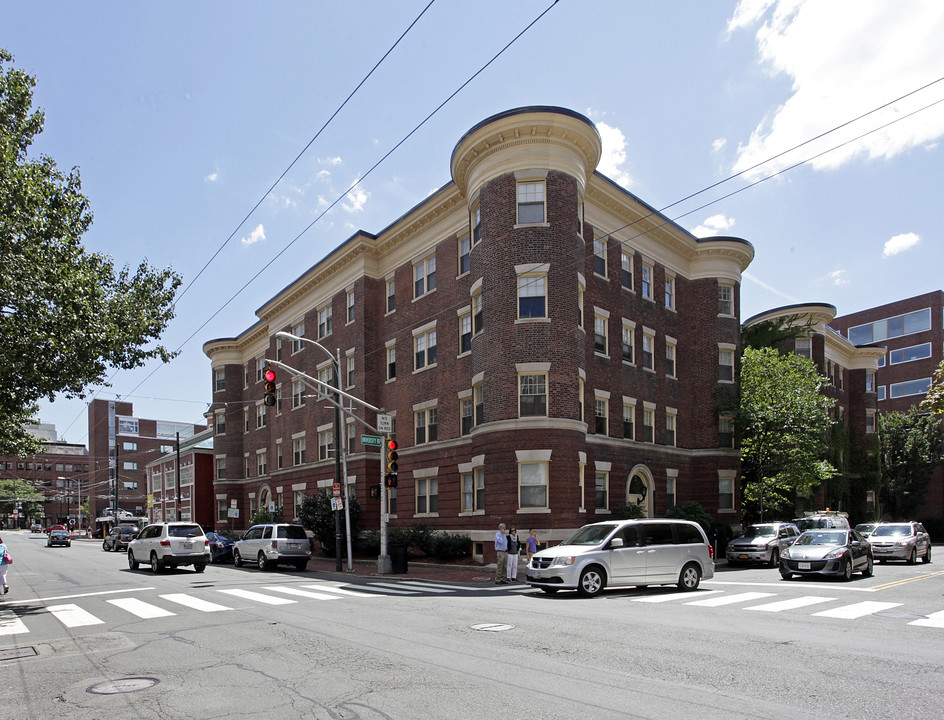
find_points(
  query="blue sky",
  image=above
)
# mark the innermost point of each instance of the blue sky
(180, 115)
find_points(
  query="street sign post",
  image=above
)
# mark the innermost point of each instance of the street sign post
(372, 440)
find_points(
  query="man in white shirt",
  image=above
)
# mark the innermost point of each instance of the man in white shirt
(501, 554)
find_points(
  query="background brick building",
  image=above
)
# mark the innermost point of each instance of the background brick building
(549, 346)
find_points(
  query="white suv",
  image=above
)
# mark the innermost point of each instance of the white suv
(273, 543)
(170, 544)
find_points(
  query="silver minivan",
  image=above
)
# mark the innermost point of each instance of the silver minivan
(625, 553)
(273, 543)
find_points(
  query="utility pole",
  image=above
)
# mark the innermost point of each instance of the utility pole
(177, 501)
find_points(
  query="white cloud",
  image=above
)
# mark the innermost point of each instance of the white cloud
(838, 277)
(330, 161)
(713, 225)
(900, 244)
(257, 235)
(718, 144)
(212, 177)
(768, 287)
(844, 58)
(356, 199)
(614, 154)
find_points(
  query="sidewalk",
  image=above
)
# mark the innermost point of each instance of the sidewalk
(428, 571)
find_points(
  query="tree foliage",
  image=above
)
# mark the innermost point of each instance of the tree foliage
(66, 315)
(911, 449)
(772, 333)
(934, 401)
(316, 515)
(13, 491)
(782, 419)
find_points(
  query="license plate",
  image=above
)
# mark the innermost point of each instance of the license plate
(742, 557)
(188, 546)
(803, 566)
(536, 576)
(294, 546)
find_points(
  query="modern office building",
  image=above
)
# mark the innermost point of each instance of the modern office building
(550, 348)
(60, 472)
(121, 445)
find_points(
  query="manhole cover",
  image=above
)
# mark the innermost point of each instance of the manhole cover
(493, 627)
(124, 685)
(14, 653)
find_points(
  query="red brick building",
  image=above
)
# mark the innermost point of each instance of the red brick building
(549, 346)
(195, 487)
(123, 444)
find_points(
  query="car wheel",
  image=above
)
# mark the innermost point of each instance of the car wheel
(927, 554)
(592, 581)
(913, 558)
(156, 566)
(262, 562)
(846, 570)
(785, 574)
(104, 547)
(869, 567)
(549, 591)
(774, 557)
(237, 559)
(199, 567)
(132, 563)
(689, 578)
(301, 564)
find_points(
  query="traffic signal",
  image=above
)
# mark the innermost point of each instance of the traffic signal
(391, 455)
(375, 491)
(269, 376)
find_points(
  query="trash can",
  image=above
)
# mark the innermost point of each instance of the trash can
(398, 562)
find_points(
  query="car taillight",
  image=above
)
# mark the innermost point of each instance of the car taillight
(275, 544)
(206, 543)
(711, 551)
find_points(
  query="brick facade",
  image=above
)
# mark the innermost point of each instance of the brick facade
(553, 151)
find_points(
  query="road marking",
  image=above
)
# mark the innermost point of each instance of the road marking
(259, 597)
(140, 608)
(387, 589)
(856, 610)
(10, 624)
(666, 597)
(301, 593)
(932, 620)
(783, 584)
(791, 604)
(333, 587)
(905, 581)
(428, 587)
(72, 597)
(73, 616)
(730, 599)
(194, 602)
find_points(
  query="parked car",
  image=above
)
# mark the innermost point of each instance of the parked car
(170, 544)
(901, 541)
(762, 543)
(118, 538)
(221, 545)
(36, 528)
(270, 544)
(865, 529)
(58, 537)
(624, 553)
(827, 552)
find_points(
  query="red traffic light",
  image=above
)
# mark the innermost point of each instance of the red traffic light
(391, 444)
(270, 375)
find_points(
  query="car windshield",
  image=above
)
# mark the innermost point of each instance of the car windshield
(184, 530)
(835, 537)
(589, 535)
(292, 532)
(760, 531)
(126, 530)
(892, 531)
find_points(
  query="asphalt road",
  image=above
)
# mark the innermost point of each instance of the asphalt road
(82, 636)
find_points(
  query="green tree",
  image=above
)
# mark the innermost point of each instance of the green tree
(66, 315)
(264, 515)
(13, 491)
(910, 449)
(934, 401)
(783, 419)
(316, 515)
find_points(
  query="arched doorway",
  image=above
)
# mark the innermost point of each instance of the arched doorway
(640, 490)
(265, 497)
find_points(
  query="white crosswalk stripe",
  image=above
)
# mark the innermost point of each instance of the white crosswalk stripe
(140, 608)
(194, 602)
(302, 593)
(10, 624)
(935, 620)
(72, 615)
(792, 604)
(340, 589)
(730, 599)
(258, 597)
(856, 610)
(666, 597)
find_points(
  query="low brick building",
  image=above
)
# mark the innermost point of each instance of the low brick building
(549, 347)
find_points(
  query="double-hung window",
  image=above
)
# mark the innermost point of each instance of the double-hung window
(725, 365)
(532, 296)
(426, 424)
(424, 276)
(298, 331)
(262, 465)
(629, 340)
(670, 291)
(601, 411)
(670, 366)
(466, 415)
(260, 415)
(298, 394)
(530, 202)
(647, 279)
(626, 269)
(648, 423)
(465, 254)
(350, 306)
(391, 295)
(219, 379)
(298, 451)
(599, 257)
(532, 395)
(465, 332)
(599, 332)
(424, 347)
(325, 321)
(219, 422)
(648, 349)
(476, 225)
(629, 420)
(325, 442)
(477, 312)
(671, 417)
(427, 495)
(473, 491)
(725, 299)
(391, 362)
(532, 484)
(602, 490)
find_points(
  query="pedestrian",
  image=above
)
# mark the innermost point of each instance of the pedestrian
(532, 543)
(4, 566)
(513, 549)
(501, 555)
